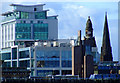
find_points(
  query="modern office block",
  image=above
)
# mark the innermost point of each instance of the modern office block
(27, 23)
(42, 59)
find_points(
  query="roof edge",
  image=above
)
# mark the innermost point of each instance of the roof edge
(26, 5)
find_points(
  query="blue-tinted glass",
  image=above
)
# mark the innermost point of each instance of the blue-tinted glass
(40, 31)
(47, 72)
(25, 63)
(66, 55)
(40, 15)
(14, 64)
(6, 64)
(48, 58)
(48, 63)
(47, 54)
(23, 31)
(66, 63)
(6, 56)
(24, 54)
(105, 76)
(14, 53)
(24, 15)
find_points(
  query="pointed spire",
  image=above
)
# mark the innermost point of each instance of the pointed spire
(89, 24)
(106, 52)
(106, 38)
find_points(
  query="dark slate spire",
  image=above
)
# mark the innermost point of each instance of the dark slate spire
(89, 24)
(89, 29)
(106, 52)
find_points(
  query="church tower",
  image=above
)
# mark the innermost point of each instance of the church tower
(89, 40)
(106, 50)
(89, 29)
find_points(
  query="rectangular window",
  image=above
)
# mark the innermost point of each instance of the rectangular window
(40, 31)
(40, 15)
(24, 54)
(25, 63)
(6, 64)
(14, 63)
(23, 31)
(6, 56)
(14, 53)
(66, 58)
(44, 73)
(24, 15)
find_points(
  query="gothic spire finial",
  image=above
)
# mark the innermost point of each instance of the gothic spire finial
(88, 17)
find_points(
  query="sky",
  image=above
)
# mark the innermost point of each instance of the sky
(72, 16)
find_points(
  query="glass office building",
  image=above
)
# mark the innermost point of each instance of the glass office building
(27, 23)
(41, 60)
(53, 61)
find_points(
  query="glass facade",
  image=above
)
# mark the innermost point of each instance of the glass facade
(14, 53)
(47, 72)
(48, 63)
(23, 31)
(24, 54)
(6, 64)
(6, 56)
(40, 15)
(14, 64)
(24, 15)
(25, 63)
(48, 58)
(44, 59)
(52, 58)
(66, 59)
(40, 31)
(64, 72)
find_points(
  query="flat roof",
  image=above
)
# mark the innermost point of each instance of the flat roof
(10, 12)
(53, 16)
(26, 5)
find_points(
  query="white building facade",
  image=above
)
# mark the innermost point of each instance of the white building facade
(27, 23)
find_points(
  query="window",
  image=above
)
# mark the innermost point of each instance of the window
(14, 53)
(24, 15)
(48, 63)
(66, 58)
(6, 56)
(24, 21)
(31, 21)
(40, 15)
(47, 72)
(40, 21)
(35, 9)
(23, 31)
(40, 31)
(6, 64)
(24, 54)
(14, 63)
(25, 63)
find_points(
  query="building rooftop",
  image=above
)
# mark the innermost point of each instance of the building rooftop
(26, 5)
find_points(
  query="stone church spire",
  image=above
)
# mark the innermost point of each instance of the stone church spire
(106, 51)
